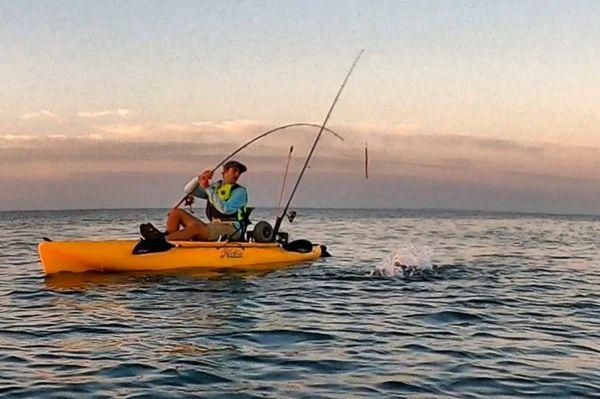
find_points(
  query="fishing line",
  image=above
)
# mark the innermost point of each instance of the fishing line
(366, 162)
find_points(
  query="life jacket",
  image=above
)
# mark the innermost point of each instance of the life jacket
(224, 192)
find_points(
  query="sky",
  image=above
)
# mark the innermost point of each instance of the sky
(466, 105)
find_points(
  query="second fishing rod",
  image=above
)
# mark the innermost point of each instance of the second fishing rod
(312, 150)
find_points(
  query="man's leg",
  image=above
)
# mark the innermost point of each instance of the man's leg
(177, 218)
(197, 232)
(193, 228)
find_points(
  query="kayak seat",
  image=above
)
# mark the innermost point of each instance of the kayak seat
(243, 237)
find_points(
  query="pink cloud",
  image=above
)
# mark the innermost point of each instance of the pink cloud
(40, 114)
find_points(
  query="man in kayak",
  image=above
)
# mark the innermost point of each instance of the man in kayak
(225, 208)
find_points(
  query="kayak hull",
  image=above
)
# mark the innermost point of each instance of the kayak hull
(116, 256)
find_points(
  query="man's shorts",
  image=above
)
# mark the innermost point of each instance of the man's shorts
(216, 230)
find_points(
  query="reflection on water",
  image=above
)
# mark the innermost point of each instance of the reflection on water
(512, 310)
(123, 280)
(116, 281)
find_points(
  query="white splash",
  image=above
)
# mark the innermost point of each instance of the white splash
(408, 261)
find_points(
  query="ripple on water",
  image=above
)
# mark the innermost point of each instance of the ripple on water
(404, 387)
(450, 317)
(273, 338)
(175, 377)
(126, 369)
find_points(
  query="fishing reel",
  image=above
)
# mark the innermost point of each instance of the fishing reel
(291, 215)
(189, 200)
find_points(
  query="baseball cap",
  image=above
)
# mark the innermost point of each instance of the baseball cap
(235, 164)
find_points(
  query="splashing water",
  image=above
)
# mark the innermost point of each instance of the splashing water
(409, 261)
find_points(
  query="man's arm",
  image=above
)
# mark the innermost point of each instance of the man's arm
(198, 191)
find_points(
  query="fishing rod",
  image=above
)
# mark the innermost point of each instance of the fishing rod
(260, 136)
(287, 166)
(312, 150)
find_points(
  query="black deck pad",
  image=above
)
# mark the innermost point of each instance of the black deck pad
(151, 233)
(302, 246)
(151, 246)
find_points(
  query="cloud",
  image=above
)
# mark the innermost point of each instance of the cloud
(96, 114)
(466, 141)
(178, 127)
(87, 114)
(21, 137)
(470, 167)
(395, 155)
(238, 126)
(88, 149)
(122, 130)
(542, 176)
(433, 166)
(40, 114)
(413, 157)
(127, 189)
(233, 132)
(122, 112)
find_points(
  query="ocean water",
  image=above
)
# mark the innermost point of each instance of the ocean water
(510, 309)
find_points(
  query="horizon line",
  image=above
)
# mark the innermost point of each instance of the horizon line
(432, 209)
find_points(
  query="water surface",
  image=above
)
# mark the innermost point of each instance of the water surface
(512, 311)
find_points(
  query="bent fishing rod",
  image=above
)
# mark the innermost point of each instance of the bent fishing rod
(312, 150)
(260, 136)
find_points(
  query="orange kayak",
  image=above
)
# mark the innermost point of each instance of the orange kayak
(116, 256)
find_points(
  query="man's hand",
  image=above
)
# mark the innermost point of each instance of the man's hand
(207, 174)
(204, 178)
